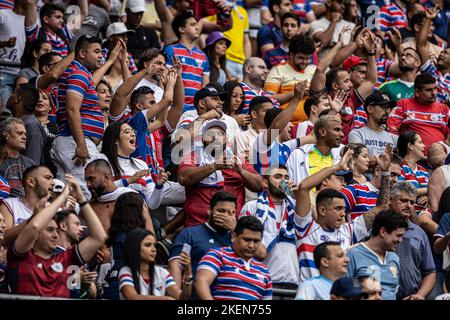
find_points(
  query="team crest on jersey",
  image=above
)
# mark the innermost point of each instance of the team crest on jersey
(435, 117)
(324, 238)
(199, 62)
(394, 269)
(57, 267)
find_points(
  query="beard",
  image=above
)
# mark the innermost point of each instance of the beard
(40, 192)
(275, 191)
(405, 68)
(214, 148)
(98, 190)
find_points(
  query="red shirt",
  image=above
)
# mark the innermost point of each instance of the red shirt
(348, 113)
(429, 121)
(30, 274)
(199, 196)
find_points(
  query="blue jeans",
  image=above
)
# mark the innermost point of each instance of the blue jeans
(7, 82)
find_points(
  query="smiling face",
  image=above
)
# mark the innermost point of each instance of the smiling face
(127, 140)
(362, 161)
(333, 134)
(148, 249)
(44, 105)
(391, 240)
(48, 238)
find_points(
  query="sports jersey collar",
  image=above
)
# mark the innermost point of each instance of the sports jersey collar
(79, 65)
(406, 83)
(376, 254)
(320, 153)
(325, 278)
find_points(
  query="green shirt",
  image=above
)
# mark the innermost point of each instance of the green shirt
(398, 89)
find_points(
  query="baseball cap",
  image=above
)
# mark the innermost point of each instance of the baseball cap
(214, 123)
(346, 174)
(209, 91)
(117, 28)
(380, 99)
(59, 185)
(347, 287)
(214, 37)
(352, 62)
(136, 6)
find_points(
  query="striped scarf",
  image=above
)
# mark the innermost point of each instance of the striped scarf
(276, 231)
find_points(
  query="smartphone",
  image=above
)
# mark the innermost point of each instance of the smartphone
(186, 248)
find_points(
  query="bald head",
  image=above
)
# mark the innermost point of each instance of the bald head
(436, 155)
(255, 71)
(100, 165)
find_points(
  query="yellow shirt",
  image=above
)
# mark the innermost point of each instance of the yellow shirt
(282, 78)
(317, 161)
(236, 34)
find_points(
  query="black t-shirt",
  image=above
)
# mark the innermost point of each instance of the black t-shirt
(144, 38)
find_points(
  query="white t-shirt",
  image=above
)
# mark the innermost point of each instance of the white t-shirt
(323, 23)
(162, 280)
(375, 141)
(12, 25)
(18, 210)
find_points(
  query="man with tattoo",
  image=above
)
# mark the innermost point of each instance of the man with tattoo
(330, 224)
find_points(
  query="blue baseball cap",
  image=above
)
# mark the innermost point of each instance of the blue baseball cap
(346, 174)
(347, 287)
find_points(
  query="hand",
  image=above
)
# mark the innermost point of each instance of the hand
(414, 297)
(42, 203)
(243, 120)
(337, 103)
(177, 66)
(344, 30)
(291, 185)
(225, 221)
(186, 263)
(70, 203)
(336, 16)
(87, 278)
(151, 66)
(432, 13)
(81, 155)
(319, 46)
(137, 175)
(222, 6)
(395, 37)
(359, 39)
(384, 160)
(163, 176)
(211, 114)
(369, 42)
(115, 52)
(3, 253)
(11, 42)
(300, 89)
(224, 163)
(343, 163)
(75, 188)
(422, 200)
(237, 163)
(171, 79)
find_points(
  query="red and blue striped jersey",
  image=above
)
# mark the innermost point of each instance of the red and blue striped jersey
(7, 4)
(383, 66)
(392, 16)
(443, 81)
(360, 117)
(236, 279)
(79, 80)
(275, 57)
(131, 64)
(418, 178)
(59, 44)
(301, 8)
(310, 234)
(195, 64)
(4, 189)
(429, 121)
(359, 198)
(251, 93)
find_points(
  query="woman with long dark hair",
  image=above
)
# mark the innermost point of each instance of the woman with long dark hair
(141, 279)
(119, 142)
(30, 60)
(359, 161)
(410, 147)
(235, 102)
(130, 213)
(215, 49)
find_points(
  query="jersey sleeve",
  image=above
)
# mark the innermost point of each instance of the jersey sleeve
(125, 278)
(264, 37)
(139, 121)
(205, 66)
(169, 52)
(32, 32)
(359, 229)
(170, 281)
(355, 137)
(268, 292)
(350, 196)
(395, 120)
(444, 226)
(303, 225)
(212, 261)
(77, 82)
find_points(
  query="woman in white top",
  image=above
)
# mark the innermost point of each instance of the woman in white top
(141, 279)
(119, 142)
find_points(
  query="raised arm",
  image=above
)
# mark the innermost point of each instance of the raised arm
(343, 54)
(325, 37)
(31, 13)
(176, 109)
(366, 87)
(422, 36)
(100, 72)
(97, 235)
(26, 239)
(283, 119)
(45, 80)
(303, 199)
(166, 17)
(319, 78)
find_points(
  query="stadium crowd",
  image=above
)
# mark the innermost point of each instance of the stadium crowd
(225, 149)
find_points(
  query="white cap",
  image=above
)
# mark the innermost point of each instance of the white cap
(59, 185)
(117, 28)
(214, 123)
(136, 6)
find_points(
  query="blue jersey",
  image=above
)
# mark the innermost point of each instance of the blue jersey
(366, 263)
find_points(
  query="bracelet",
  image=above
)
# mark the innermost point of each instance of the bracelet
(386, 173)
(188, 282)
(83, 203)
